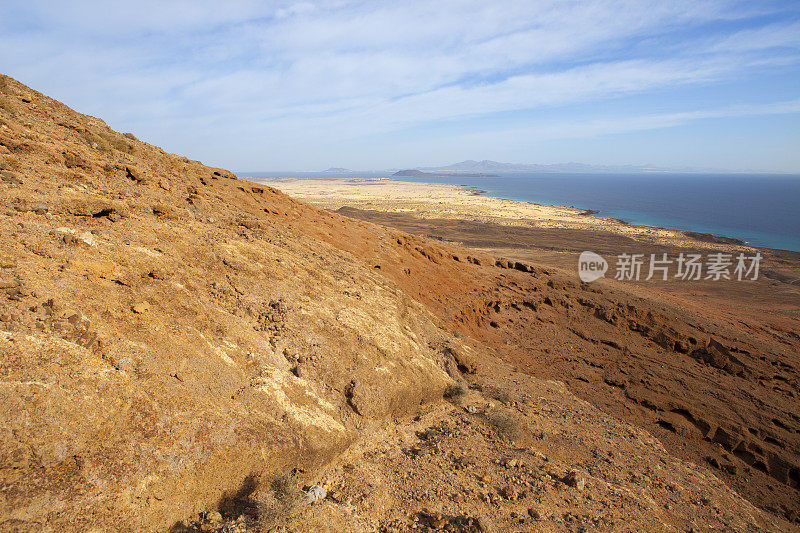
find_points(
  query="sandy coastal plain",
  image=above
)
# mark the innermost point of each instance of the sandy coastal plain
(439, 201)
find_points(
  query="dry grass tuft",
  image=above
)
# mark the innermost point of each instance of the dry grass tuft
(455, 392)
(507, 425)
(282, 503)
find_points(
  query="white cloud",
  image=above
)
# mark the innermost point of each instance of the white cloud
(312, 73)
(781, 35)
(596, 127)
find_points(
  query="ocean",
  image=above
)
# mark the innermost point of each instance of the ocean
(760, 209)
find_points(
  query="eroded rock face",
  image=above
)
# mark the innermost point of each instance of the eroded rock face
(153, 312)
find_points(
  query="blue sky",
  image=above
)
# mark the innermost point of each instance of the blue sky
(373, 85)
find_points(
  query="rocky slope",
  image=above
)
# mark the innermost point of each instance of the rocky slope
(710, 368)
(173, 339)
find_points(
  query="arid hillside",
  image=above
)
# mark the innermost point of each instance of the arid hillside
(175, 341)
(709, 367)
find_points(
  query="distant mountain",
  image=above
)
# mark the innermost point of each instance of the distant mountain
(471, 165)
(419, 173)
(337, 169)
(486, 165)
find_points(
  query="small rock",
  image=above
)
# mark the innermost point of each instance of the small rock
(533, 513)
(438, 522)
(509, 493)
(141, 308)
(315, 493)
(214, 516)
(133, 173)
(575, 479)
(72, 316)
(87, 238)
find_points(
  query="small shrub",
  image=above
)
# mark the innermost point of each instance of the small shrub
(285, 486)
(121, 145)
(95, 141)
(507, 425)
(282, 503)
(502, 395)
(455, 392)
(105, 142)
(430, 434)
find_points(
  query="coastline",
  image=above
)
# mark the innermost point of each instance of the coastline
(461, 202)
(702, 236)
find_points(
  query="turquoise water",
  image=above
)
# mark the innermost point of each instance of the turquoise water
(760, 209)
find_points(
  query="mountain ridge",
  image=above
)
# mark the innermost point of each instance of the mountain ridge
(486, 165)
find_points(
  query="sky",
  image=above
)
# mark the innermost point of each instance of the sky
(261, 86)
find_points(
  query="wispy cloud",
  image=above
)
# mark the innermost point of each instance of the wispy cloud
(596, 127)
(315, 73)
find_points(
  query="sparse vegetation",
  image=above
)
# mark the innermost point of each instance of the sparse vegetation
(430, 434)
(507, 425)
(455, 392)
(282, 503)
(502, 395)
(139, 222)
(106, 142)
